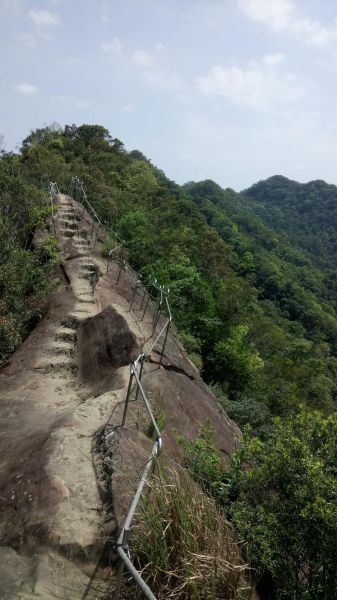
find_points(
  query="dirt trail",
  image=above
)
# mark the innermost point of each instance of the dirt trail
(63, 489)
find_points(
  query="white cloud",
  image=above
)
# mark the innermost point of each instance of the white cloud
(154, 73)
(28, 39)
(143, 59)
(163, 79)
(105, 8)
(260, 85)
(114, 47)
(281, 15)
(28, 89)
(130, 107)
(44, 18)
(275, 13)
(273, 59)
(12, 7)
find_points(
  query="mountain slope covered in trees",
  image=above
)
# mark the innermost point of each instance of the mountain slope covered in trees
(307, 213)
(253, 295)
(252, 303)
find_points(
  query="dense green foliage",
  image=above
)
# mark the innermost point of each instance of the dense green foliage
(24, 264)
(281, 495)
(291, 322)
(286, 507)
(307, 213)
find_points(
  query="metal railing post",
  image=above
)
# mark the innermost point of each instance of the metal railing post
(134, 294)
(128, 395)
(156, 321)
(142, 302)
(132, 297)
(96, 237)
(92, 229)
(140, 376)
(119, 273)
(164, 344)
(118, 587)
(146, 305)
(156, 312)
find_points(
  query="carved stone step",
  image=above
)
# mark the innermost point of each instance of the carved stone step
(64, 348)
(65, 334)
(56, 365)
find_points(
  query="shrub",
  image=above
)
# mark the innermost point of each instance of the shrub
(9, 336)
(287, 510)
(109, 244)
(50, 250)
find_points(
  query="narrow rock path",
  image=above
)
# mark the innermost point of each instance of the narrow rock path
(50, 505)
(62, 395)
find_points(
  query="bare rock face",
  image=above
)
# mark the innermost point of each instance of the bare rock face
(14, 570)
(68, 469)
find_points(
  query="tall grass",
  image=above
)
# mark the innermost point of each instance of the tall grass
(184, 547)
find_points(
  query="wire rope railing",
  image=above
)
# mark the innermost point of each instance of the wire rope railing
(53, 191)
(76, 190)
(150, 294)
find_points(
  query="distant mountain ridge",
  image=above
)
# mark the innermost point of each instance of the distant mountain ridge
(307, 213)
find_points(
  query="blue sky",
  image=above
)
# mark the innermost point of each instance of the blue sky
(233, 90)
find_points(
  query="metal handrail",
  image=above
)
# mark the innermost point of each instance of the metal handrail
(53, 191)
(122, 546)
(76, 185)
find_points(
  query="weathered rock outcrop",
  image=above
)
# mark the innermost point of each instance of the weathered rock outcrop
(66, 467)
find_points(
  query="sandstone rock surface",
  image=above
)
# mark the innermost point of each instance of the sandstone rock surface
(66, 468)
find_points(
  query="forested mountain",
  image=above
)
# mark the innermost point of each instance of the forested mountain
(307, 213)
(254, 299)
(293, 324)
(252, 306)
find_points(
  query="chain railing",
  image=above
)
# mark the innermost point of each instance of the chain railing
(151, 295)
